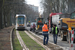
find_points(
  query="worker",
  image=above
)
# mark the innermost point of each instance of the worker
(55, 33)
(34, 27)
(29, 22)
(45, 33)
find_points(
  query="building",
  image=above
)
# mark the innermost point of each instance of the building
(35, 8)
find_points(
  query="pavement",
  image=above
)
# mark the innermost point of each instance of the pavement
(5, 42)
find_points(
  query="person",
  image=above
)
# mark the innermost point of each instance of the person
(34, 27)
(55, 33)
(45, 34)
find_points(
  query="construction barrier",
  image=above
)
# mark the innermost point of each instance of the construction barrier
(69, 32)
(72, 37)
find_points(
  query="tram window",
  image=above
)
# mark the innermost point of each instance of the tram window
(20, 20)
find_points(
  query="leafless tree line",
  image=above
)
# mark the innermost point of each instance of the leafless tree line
(56, 6)
(9, 8)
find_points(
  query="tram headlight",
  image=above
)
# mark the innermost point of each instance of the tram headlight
(18, 25)
(22, 24)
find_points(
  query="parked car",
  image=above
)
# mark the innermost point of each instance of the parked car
(28, 24)
(32, 26)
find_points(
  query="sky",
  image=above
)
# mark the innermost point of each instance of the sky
(34, 2)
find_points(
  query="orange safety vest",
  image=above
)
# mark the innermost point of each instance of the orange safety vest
(45, 28)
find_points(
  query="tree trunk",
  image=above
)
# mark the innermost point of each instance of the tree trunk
(1, 1)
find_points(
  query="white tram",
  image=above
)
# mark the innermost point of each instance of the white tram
(20, 21)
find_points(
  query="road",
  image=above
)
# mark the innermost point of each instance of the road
(59, 42)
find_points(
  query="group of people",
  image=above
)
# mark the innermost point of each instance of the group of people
(46, 35)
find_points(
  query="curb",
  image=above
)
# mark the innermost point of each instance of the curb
(11, 38)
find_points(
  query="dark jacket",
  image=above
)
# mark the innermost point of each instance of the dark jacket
(54, 30)
(34, 25)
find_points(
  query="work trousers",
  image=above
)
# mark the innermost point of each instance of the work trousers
(55, 38)
(46, 37)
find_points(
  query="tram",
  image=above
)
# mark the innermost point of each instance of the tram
(20, 21)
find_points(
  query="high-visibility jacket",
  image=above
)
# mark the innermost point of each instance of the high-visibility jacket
(55, 30)
(45, 28)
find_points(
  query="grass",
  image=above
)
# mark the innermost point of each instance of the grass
(16, 44)
(30, 43)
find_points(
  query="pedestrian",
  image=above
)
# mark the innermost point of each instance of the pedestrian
(34, 27)
(45, 33)
(55, 33)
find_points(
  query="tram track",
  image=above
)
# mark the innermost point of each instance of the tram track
(33, 37)
(21, 41)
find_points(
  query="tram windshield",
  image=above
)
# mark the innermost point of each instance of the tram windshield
(21, 20)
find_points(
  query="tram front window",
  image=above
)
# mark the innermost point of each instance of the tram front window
(20, 20)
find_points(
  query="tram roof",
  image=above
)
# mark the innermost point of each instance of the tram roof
(20, 15)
